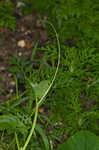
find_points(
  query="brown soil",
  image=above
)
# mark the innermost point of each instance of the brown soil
(28, 29)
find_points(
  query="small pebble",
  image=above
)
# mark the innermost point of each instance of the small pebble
(10, 75)
(11, 90)
(27, 32)
(2, 68)
(21, 43)
(20, 54)
(12, 83)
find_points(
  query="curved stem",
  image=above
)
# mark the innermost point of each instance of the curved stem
(42, 98)
(44, 95)
(32, 129)
(46, 92)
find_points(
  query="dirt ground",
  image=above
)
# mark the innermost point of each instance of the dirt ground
(18, 43)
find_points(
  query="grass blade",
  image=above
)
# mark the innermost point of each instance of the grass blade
(43, 135)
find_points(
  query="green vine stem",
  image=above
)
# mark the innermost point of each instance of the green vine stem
(42, 98)
(31, 131)
(58, 43)
(33, 127)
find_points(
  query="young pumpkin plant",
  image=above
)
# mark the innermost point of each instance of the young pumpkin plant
(41, 90)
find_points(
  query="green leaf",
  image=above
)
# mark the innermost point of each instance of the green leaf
(83, 140)
(14, 69)
(43, 135)
(12, 60)
(19, 101)
(40, 88)
(34, 51)
(12, 124)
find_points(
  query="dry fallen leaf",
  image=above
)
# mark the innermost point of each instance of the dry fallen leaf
(29, 45)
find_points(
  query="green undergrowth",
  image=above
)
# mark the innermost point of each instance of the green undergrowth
(73, 19)
(7, 19)
(73, 101)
